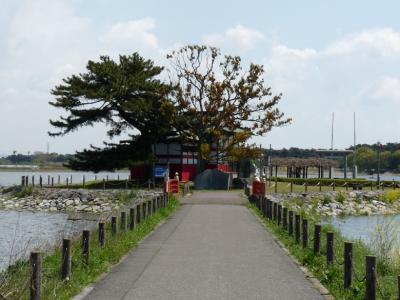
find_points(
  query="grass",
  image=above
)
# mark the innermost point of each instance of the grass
(14, 279)
(331, 276)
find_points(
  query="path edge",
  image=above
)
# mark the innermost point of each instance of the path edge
(86, 290)
(314, 281)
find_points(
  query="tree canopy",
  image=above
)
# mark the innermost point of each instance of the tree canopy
(128, 96)
(219, 101)
(211, 101)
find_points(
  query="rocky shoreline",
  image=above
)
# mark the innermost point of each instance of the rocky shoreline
(332, 204)
(72, 200)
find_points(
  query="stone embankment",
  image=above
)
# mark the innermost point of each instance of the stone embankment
(69, 200)
(331, 204)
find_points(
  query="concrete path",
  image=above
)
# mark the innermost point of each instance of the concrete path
(208, 251)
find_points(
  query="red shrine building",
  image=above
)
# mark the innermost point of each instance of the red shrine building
(177, 158)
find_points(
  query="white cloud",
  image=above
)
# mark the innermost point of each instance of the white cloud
(353, 73)
(383, 41)
(132, 33)
(388, 88)
(239, 36)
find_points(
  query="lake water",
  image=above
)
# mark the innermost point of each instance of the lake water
(362, 227)
(11, 178)
(22, 232)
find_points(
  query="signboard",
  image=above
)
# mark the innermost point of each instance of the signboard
(160, 171)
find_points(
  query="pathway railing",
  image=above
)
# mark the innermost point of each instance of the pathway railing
(298, 228)
(137, 214)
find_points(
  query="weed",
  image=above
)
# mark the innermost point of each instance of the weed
(340, 197)
(326, 199)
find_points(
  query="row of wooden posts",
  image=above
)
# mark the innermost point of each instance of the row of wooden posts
(68, 181)
(334, 185)
(297, 226)
(137, 214)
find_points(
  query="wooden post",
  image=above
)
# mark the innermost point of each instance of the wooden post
(291, 186)
(144, 207)
(149, 208)
(305, 187)
(276, 185)
(285, 217)
(347, 186)
(22, 180)
(317, 238)
(102, 236)
(348, 264)
(67, 181)
(83, 181)
(132, 218)
(138, 213)
(290, 222)
(36, 279)
(370, 278)
(398, 287)
(305, 233)
(275, 211)
(52, 181)
(123, 220)
(104, 184)
(329, 247)
(279, 214)
(71, 179)
(66, 259)
(41, 181)
(48, 179)
(86, 246)
(59, 180)
(113, 226)
(320, 185)
(33, 180)
(297, 228)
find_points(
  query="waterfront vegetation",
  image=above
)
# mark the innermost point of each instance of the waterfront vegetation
(14, 282)
(382, 245)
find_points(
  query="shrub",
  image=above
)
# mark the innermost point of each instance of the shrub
(24, 192)
(391, 196)
(326, 200)
(340, 197)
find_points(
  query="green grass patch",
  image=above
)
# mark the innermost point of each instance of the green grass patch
(332, 276)
(13, 280)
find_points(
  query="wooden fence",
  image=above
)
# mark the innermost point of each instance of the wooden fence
(297, 227)
(137, 214)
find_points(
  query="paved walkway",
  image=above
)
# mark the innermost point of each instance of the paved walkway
(208, 251)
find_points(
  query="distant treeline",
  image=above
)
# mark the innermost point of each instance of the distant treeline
(37, 158)
(367, 156)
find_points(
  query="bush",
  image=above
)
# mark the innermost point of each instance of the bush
(340, 197)
(391, 196)
(326, 200)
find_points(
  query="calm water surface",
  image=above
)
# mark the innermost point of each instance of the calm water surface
(10, 177)
(361, 227)
(22, 232)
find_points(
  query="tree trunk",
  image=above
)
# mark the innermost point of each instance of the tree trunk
(201, 163)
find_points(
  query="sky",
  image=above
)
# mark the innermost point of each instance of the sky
(323, 56)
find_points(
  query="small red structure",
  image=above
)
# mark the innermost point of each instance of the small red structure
(259, 187)
(177, 158)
